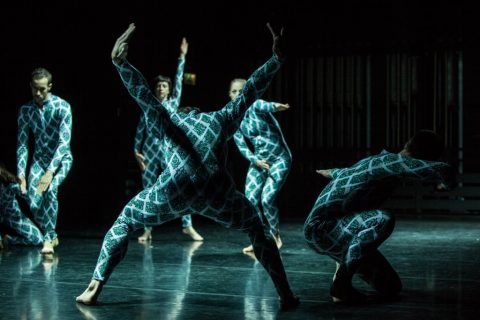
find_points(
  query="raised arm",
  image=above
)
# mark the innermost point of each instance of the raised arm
(133, 80)
(174, 101)
(258, 82)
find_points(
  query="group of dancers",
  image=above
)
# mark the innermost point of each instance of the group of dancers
(182, 153)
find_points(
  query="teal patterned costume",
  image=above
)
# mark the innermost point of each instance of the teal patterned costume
(347, 222)
(51, 125)
(151, 147)
(195, 179)
(260, 128)
(11, 215)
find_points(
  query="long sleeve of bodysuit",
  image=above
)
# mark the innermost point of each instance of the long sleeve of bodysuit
(397, 165)
(140, 134)
(242, 145)
(137, 86)
(64, 136)
(22, 142)
(174, 101)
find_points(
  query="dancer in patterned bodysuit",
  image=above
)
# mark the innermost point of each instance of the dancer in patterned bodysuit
(148, 152)
(270, 161)
(49, 117)
(11, 215)
(348, 224)
(195, 178)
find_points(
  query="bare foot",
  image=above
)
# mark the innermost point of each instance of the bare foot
(251, 254)
(193, 247)
(192, 233)
(90, 295)
(248, 249)
(336, 270)
(146, 236)
(47, 247)
(278, 241)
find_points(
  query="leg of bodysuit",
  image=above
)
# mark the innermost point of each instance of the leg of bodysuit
(239, 213)
(45, 207)
(148, 207)
(350, 240)
(277, 176)
(27, 232)
(253, 188)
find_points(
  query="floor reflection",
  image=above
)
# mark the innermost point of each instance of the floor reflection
(259, 290)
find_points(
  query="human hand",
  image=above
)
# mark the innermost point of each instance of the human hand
(327, 173)
(120, 48)
(278, 42)
(23, 185)
(282, 106)
(141, 160)
(262, 164)
(44, 182)
(183, 48)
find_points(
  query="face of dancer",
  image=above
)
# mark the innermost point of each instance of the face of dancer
(40, 90)
(235, 89)
(162, 90)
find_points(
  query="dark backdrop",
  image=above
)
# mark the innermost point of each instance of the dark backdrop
(73, 40)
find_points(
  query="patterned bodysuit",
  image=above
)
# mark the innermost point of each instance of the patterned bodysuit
(12, 216)
(262, 130)
(151, 147)
(346, 222)
(52, 129)
(195, 178)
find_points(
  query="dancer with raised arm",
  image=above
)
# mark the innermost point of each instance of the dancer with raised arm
(148, 148)
(195, 179)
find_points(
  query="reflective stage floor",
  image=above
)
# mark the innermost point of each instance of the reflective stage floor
(438, 260)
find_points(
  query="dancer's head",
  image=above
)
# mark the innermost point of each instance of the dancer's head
(163, 87)
(236, 86)
(425, 145)
(40, 84)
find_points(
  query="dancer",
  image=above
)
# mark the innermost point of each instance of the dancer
(348, 224)
(270, 160)
(49, 117)
(11, 215)
(148, 152)
(195, 178)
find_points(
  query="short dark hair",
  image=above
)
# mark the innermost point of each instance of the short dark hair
(425, 145)
(39, 73)
(161, 78)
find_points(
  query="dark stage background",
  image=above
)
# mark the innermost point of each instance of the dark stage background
(360, 76)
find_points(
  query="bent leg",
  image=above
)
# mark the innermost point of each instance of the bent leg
(239, 213)
(379, 274)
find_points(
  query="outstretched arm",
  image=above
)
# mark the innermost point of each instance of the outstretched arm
(174, 101)
(263, 106)
(258, 82)
(408, 167)
(133, 80)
